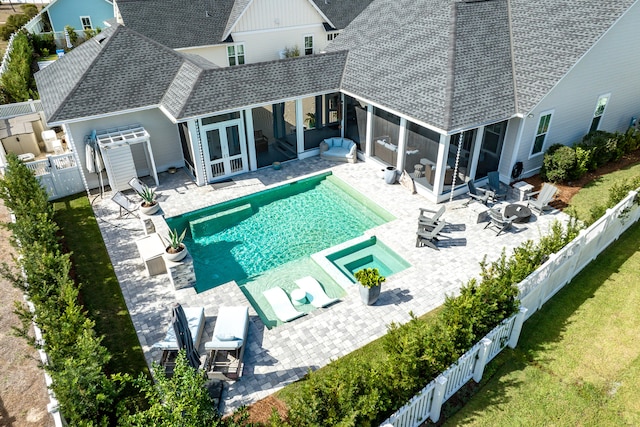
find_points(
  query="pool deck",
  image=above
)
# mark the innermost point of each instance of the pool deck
(277, 357)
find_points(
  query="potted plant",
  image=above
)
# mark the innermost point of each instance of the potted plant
(149, 204)
(370, 282)
(176, 250)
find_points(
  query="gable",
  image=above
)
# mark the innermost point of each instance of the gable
(276, 14)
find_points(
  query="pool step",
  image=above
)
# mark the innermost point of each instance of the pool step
(217, 222)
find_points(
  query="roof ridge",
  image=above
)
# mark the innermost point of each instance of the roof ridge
(516, 103)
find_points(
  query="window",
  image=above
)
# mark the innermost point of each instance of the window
(86, 22)
(541, 133)
(235, 54)
(597, 115)
(308, 45)
(331, 36)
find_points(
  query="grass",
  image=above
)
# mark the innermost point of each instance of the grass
(597, 191)
(578, 359)
(100, 291)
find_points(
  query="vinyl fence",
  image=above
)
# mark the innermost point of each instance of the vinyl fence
(58, 174)
(20, 108)
(535, 290)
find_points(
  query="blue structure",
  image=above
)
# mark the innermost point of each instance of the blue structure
(79, 14)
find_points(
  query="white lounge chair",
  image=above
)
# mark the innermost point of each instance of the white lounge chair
(226, 348)
(125, 204)
(281, 304)
(315, 294)
(544, 197)
(195, 318)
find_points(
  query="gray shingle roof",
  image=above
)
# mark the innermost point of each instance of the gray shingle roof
(239, 7)
(178, 24)
(126, 71)
(342, 12)
(412, 64)
(236, 87)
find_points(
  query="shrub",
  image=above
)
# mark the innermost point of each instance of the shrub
(603, 146)
(13, 24)
(73, 36)
(17, 81)
(42, 42)
(559, 163)
(617, 192)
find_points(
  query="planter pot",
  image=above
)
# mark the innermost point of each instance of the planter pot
(177, 256)
(150, 210)
(277, 166)
(369, 296)
(390, 175)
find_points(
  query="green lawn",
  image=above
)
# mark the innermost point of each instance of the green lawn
(597, 191)
(577, 362)
(100, 292)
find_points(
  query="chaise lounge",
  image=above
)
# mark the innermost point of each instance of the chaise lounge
(338, 149)
(281, 304)
(169, 345)
(226, 348)
(315, 294)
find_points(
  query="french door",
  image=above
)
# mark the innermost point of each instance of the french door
(225, 149)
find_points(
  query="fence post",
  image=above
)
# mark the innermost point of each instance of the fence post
(482, 359)
(438, 398)
(32, 105)
(517, 327)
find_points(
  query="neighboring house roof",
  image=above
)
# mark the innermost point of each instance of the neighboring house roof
(128, 71)
(178, 24)
(455, 64)
(342, 12)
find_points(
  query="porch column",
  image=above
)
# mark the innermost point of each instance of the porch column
(251, 142)
(477, 145)
(299, 126)
(402, 144)
(441, 164)
(369, 131)
(343, 113)
(198, 160)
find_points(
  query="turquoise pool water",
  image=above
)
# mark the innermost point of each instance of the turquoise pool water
(265, 239)
(369, 253)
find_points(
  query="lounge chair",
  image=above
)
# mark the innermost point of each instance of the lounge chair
(478, 194)
(126, 204)
(499, 189)
(430, 219)
(138, 186)
(429, 238)
(498, 221)
(315, 294)
(169, 345)
(544, 197)
(281, 304)
(226, 348)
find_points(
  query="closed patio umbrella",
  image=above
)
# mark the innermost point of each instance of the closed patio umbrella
(183, 335)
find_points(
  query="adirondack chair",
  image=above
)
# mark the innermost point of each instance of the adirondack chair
(498, 221)
(478, 194)
(544, 197)
(499, 189)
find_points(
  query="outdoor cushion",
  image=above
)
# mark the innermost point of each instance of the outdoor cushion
(195, 318)
(230, 329)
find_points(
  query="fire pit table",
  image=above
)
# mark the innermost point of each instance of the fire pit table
(522, 213)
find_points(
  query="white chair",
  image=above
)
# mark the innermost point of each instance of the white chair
(51, 142)
(281, 304)
(318, 296)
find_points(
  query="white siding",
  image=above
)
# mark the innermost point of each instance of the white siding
(216, 54)
(265, 46)
(267, 14)
(611, 66)
(165, 140)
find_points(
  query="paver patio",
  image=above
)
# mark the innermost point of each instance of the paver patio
(277, 357)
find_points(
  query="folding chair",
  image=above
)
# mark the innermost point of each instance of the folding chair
(137, 185)
(125, 204)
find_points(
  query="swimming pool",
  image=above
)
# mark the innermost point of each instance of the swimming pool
(246, 238)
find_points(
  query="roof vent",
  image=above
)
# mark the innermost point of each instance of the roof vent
(207, 14)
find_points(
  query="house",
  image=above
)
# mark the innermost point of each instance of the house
(235, 32)
(79, 14)
(445, 90)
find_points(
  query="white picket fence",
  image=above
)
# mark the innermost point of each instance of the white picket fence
(535, 290)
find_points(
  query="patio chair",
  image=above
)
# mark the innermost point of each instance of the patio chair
(169, 345)
(281, 304)
(226, 348)
(126, 204)
(499, 189)
(315, 294)
(478, 194)
(498, 221)
(137, 185)
(544, 197)
(429, 238)
(430, 219)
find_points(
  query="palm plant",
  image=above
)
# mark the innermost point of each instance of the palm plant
(148, 197)
(175, 240)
